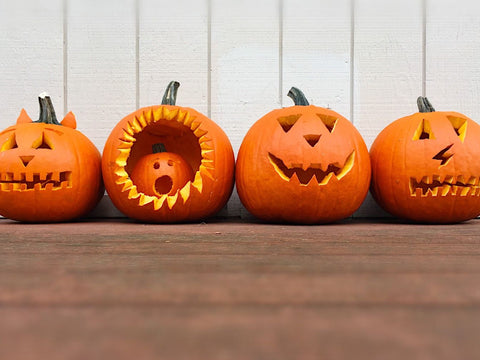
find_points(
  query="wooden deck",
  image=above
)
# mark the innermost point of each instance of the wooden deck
(234, 290)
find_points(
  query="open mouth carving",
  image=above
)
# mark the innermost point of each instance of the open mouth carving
(442, 186)
(319, 173)
(136, 126)
(35, 181)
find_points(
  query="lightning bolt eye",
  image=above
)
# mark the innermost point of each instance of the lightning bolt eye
(443, 157)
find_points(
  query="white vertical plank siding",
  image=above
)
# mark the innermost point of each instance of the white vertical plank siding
(453, 56)
(316, 52)
(173, 45)
(236, 60)
(31, 57)
(245, 63)
(101, 69)
(388, 53)
(101, 81)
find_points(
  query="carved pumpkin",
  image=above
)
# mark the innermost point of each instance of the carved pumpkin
(183, 131)
(425, 166)
(161, 173)
(302, 164)
(48, 171)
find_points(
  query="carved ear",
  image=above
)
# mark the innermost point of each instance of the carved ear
(69, 121)
(23, 118)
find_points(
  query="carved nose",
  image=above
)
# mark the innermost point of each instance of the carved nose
(26, 159)
(312, 139)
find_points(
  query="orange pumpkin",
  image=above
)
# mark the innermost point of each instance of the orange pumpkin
(425, 167)
(161, 173)
(302, 164)
(48, 171)
(183, 131)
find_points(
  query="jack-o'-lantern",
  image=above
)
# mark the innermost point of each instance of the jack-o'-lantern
(425, 166)
(161, 173)
(302, 164)
(194, 138)
(48, 170)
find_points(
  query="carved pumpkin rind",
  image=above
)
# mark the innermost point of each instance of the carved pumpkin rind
(196, 138)
(49, 172)
(425, 168)
(302, 164)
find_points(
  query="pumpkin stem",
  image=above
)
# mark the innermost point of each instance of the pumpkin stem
(298, 97)
(47, 112)
(158, 148)
(170, 96)
(424, 105)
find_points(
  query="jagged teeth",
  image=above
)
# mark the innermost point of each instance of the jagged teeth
(444, 185)
(137, 125)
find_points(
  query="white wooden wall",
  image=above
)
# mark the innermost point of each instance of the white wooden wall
(236, 60)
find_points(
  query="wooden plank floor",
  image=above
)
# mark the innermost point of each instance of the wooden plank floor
(233, 290)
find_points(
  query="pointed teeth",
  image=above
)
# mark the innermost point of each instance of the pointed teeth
(141, 121)
(188, 120)
(157, 114)
(185, 191)
(127, 137)
(445, 190)
(170, 114)
(172, 200)
(158, 202)
(207, 171)
(133, 193)
(465, 191)
(347, 166)
(326, 179)
(199, 132)
(195, 125)
(127, 186)
(121, 172)
(197, 182)
(145, 199)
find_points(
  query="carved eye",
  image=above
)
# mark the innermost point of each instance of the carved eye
(287, 122)
(11, 143)
(329, 121)
(43, 142)
(424, 131)
(460, 126)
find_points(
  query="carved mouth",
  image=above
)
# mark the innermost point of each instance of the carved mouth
(136, 126)
(35, 181)
(437, 185)
(313, 172)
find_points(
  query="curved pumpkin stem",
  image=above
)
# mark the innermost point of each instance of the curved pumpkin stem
(158, 148)
(47, 112)
(170, 96)
(298, 97)
(424, 105)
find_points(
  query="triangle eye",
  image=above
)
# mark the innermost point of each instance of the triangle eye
(459, 125)
(424, 131)
(329, 121)
(287, 122)
(11, 143)
(43, 142)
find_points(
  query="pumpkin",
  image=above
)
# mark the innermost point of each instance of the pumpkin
(161, 172)
(49, 171)
(425, 166)
(184, 133)
(302, 164)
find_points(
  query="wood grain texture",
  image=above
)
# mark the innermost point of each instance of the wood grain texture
(235, 290)
(31, 61)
